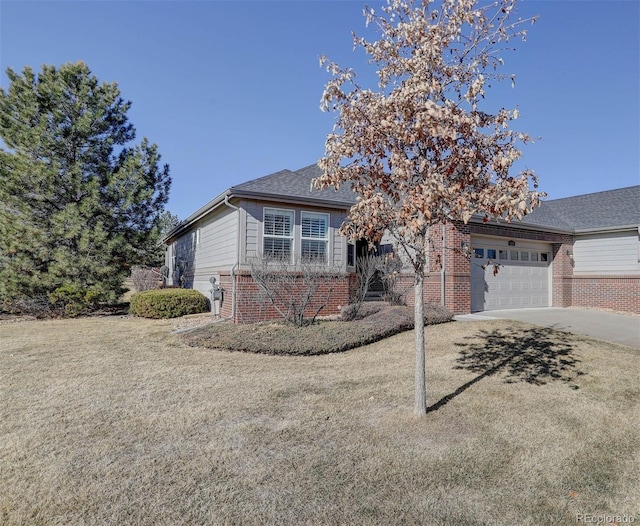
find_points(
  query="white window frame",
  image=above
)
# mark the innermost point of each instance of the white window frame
(291, 237)
(351, 253)
(315, 239)
(171, 257)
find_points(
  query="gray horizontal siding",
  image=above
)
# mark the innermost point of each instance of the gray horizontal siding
(253, 229)
(218, 241)
(612, 253)
(339, 243)
(216, 251)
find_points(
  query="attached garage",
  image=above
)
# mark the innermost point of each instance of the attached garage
(524, 276)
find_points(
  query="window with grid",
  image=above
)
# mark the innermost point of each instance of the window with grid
(314, 236)
(278, 233)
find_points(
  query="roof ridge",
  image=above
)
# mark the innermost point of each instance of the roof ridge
(312, 165)
(262, 178)
(589, 194)
(604, 209)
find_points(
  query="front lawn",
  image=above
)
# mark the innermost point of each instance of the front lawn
(115, 421)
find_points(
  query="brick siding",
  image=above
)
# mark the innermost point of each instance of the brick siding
(562, 269)
(252, 306)
(620, 293)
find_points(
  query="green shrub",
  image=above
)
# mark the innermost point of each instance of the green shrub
(167, 303)
(74, 299)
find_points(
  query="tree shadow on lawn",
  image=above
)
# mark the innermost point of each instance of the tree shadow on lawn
(534, 355)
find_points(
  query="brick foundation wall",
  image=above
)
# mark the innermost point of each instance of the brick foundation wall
(620, 293)
(252, 305)
(431, 288)
(457, 290)
(226, 284)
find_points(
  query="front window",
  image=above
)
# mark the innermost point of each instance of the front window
(278, 233)
(314, 236)
(384, 249)
(351, 254)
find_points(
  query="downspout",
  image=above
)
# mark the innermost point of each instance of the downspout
(444, 264)
(236, 265)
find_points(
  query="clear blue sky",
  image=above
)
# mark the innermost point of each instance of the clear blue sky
(230, 91)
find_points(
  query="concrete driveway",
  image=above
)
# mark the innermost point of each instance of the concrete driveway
(608, 326)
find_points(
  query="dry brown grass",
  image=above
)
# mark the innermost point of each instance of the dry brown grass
(114, 421)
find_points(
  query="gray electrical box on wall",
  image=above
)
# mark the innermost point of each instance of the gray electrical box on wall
(216, 293)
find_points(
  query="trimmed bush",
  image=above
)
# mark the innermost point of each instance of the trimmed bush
(167, 303)
(358, 311)
(394, 315)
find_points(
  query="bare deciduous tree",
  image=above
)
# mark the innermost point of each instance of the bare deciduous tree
(145, 278)
(297, 291)
(389, 268)
(366, 267)
(418, 149)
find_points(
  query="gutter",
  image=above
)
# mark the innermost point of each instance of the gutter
(444, 264)
(236, 265)
(622, 228)
(292, 199)
(476, 220)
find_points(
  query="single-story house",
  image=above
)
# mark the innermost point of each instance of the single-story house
(578, 251)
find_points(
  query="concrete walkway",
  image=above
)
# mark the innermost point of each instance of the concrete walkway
(604, 325)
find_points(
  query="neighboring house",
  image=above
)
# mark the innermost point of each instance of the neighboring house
(591, 247)
(578, 251)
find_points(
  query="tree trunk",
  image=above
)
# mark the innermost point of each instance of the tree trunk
(420, 407)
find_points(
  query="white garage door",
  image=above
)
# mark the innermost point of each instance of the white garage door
(522, 280)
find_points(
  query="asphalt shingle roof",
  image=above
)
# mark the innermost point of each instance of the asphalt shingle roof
(600, 210)
(611, 208)
(297, 184)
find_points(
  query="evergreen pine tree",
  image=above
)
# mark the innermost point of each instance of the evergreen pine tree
(79, 205)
